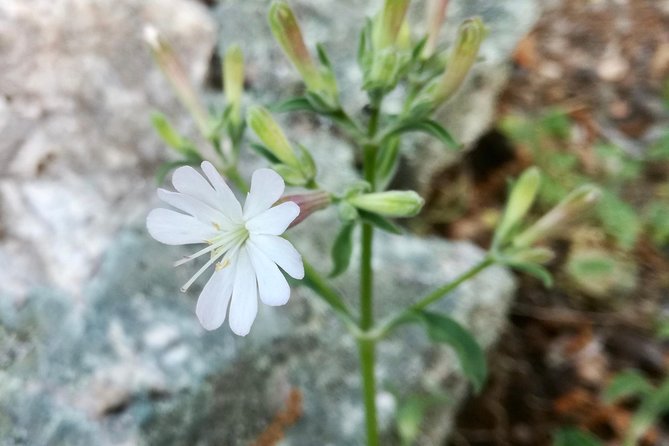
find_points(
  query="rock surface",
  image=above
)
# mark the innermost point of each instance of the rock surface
(103, 349)
(134, 367)
(77, 85)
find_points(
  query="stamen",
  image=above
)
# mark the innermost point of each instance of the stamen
(231, 236)
(226, 261)
(223, 264)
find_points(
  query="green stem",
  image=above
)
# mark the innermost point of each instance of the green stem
(366, 348)
(431, 298)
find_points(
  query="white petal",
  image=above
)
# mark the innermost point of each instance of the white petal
(266, 188)
(281, 252)
(188, 181)
(274, 221)
(227, 200)
(244, 306)
(272, 286)
(174, 228)
(214, 298)
(196, 208)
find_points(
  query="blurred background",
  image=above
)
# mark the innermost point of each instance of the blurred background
(97, 346)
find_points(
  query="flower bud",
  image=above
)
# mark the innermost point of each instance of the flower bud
(570, 208)
(390, 204)
(390, 23)
(233, 81)
(176, 75)
(287, 32)
(462, 57)
(269, 132)
(522, 196)
(436, 12)
(308, 203)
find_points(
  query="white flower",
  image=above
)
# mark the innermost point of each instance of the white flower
(243, 243)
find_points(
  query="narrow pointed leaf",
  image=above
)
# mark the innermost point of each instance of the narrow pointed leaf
(342, 249)
(575, 437)
(265, 153)
(443, 329)
(428, 126)
(380, 222)
(293, 104)
(627, 384)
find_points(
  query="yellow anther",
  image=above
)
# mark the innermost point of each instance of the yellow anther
(223, 264)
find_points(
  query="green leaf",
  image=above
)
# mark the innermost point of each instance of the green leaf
(652, 407)
(166, 167)
(575, 437)
(418, 48)
(265, 153)
(428, 126)
(533, 269)
(314, 281)
(620, 220)
(409, 418)
(362, 54)
(342, 249)
(627, 384)
(386, 162)
(293, 104)
(380, 222)
(443, 329)
(323, 56)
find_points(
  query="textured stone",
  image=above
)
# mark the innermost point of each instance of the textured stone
(76, 88)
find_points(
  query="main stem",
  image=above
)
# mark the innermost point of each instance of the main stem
(366, 347)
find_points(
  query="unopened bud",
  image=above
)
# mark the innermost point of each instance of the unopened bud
(522, 196)
(269, 132)
(233, 81)
(436, 12)
(572, 207)
(308, 203)
(390, 203)
(462, 57)
(390, 23)
(287, 32)
(176, 75)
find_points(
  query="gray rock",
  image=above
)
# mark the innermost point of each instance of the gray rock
(134, 367)
(77, 84)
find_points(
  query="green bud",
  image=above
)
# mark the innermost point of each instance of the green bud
(390, 203)
(173, 70)
(570, 208)
(462, 57)
(522, 196)
(269, 132)
(287, 32)
(390, 23)
(233, 81)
